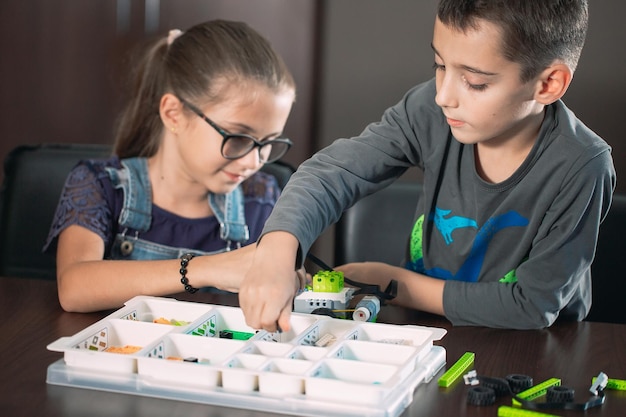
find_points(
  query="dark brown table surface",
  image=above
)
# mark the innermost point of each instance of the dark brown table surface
(32, 318)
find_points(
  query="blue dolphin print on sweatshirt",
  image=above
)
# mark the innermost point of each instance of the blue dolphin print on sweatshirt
(448, 225)
(470, 269)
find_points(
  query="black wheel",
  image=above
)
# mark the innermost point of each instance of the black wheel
(480, 395)
(519, 383)
(560, 394)
(499, 385)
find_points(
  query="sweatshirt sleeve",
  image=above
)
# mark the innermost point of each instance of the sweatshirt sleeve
(336, 177)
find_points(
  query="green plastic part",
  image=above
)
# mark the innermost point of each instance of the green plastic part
(612, 383)
(233, 334)
(328, 281)
(506, 411)
(457, 370)
(537, 390)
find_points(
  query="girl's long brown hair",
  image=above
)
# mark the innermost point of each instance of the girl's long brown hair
(194, 66)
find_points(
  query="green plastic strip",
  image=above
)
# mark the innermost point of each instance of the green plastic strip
(506, 411)
(457, 370)
(618, 384)
(537, 390)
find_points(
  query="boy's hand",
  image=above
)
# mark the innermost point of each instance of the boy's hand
(415, 290)
(268, 288)
(376, 273)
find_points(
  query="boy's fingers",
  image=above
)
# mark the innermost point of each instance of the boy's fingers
(284, 320)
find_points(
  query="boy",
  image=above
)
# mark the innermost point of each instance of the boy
(515, 187)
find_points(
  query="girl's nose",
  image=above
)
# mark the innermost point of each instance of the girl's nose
(252, 159)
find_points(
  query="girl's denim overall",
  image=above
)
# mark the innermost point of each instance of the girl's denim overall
(136, 215)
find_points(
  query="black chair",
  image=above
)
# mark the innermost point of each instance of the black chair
(281, 170)
(34, 176)
(608, 280)
(378, 227)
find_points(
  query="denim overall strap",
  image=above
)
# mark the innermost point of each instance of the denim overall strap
(133, 179)
(229, 211)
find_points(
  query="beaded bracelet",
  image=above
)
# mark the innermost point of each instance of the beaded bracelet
(184, 261)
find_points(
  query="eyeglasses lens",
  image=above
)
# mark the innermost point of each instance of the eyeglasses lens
(238, 146)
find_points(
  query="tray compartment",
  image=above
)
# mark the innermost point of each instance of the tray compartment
(283, 377)
(299, 323)
(241, 372)
(221, 321)
(325, 333)
(351, 381)
(169, 359)
(149, 309)
(266, 348)
(88, 349)
(402, 356)
(419, 337)
(309, 353)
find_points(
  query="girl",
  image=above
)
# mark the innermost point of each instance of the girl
(208, 110)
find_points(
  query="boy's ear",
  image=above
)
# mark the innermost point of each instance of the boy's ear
(170, 110)
(553, 83)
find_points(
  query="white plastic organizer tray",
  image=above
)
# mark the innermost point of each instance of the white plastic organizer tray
(161, 347)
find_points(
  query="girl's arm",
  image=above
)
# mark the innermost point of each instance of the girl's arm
(87, 283)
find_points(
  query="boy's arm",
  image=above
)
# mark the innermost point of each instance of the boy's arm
(349, 169)
(415, 290)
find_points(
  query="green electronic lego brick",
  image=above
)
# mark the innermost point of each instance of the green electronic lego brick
(328, 281)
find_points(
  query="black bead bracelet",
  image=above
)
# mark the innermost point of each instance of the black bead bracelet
(184, 261)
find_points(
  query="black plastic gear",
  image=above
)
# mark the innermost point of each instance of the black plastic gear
(480, 395)
(519, 383)
(560, 394)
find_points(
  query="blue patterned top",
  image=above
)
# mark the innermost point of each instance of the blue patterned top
(89, 200)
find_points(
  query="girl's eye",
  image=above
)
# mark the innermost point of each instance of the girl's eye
(438, 67)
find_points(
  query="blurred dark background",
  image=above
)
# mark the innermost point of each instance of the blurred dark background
(63, 63)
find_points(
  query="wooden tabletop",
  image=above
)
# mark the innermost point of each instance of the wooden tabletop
(32, 318)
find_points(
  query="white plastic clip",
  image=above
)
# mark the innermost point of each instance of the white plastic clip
(325, 341)
(599, 384)
(471, 378)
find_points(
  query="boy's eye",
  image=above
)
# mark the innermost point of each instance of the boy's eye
(475, 87)
(478, 87)
(438, 67)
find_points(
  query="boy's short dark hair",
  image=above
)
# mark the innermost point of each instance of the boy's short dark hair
(535, 32)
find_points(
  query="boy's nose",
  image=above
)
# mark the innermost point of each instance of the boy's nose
(446, 95)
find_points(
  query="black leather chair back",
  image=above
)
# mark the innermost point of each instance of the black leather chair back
(378, 227)
(608, 278)
(281, 170)
(34, 176)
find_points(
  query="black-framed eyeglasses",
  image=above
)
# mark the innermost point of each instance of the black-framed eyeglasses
(235, 146)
